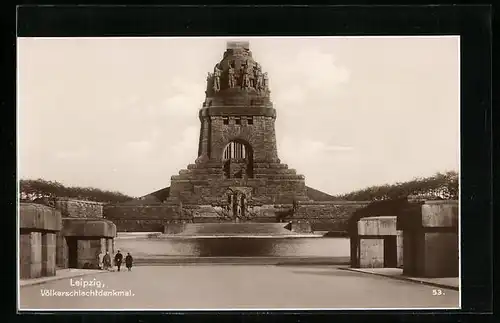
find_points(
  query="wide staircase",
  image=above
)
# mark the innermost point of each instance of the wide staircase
(236, 229)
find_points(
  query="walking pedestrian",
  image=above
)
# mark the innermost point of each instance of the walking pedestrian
(107, 261)
(118, 260)
(128, 261)
(101, 260)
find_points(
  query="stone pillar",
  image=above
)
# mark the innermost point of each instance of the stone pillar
(400, 248)
(431, 247)
(88, 251)
(30, 255)
(204, 134)
(109, 246)
(61, 251)
(378, 243)
(441, 247)
(48, 254)
(103, 245)
(25, 255)
(371, 253)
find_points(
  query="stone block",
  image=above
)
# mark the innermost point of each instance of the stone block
(377, 226)
(440, 214)
(62, 260)
(400, 248)
(110, 246)
(88, 252)
(88, 228)
(25, 255)
(441, 255)
(38, 217)
(173, 228)
(371, 253)
(79, 208)
(48, 254)
(30, 255)
(36, 254)
(103, 245)
(301, 226)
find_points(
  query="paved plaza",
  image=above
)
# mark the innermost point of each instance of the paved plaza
(235, 287)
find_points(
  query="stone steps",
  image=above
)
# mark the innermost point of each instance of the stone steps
(235, 229)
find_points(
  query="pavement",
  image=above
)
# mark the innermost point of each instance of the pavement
(181, 260)
(233, 287)
(397, 273)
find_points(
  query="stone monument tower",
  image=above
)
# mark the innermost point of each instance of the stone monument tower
(237, 167)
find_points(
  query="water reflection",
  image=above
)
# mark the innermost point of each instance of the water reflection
(236, 247)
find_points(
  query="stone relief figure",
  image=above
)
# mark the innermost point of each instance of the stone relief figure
(216, 74)
(245, 83)
(258, 78)
(238, 205)
(231, 77)
(242, 205)
(265, 82)
(244, 171)
(209, 81)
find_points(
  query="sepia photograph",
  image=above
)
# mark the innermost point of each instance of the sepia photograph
(238, 173)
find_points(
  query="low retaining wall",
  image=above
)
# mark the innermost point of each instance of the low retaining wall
(322, 216)
(78, 208)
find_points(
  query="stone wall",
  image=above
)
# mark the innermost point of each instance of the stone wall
(260, 135)
(322, 216)
(88, 253)
(431, 247)
(30, 255)
(79, 209)
(327, 216)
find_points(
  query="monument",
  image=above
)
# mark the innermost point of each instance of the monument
(237, 167)
(237, 175)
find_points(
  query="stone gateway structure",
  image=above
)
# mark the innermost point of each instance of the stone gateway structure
(62, 233)
(237, 175)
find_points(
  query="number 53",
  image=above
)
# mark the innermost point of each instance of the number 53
(437, 292)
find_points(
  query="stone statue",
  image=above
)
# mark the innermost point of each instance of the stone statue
(245, 83)
(238, 205)
(258, 78)
(242, 205)
(209, 81)
(216, 74)
(231, 77)
(265, 82)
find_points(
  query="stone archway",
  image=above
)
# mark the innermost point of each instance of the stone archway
(237, 159)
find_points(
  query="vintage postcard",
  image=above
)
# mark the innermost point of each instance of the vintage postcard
(242, 173)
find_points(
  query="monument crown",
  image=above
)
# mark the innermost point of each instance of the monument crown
(238, 44)
(238, 78)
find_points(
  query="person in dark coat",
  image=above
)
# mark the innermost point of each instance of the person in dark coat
(128, 261)
(106, 261)
(118, 260)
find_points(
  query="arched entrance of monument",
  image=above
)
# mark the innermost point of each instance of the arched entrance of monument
(237, 160)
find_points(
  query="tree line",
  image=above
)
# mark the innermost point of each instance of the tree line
(441, 186)
(31, 190)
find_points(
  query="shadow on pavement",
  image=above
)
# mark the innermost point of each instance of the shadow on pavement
(327, 272)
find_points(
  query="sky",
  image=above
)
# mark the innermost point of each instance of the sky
(121, 114)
